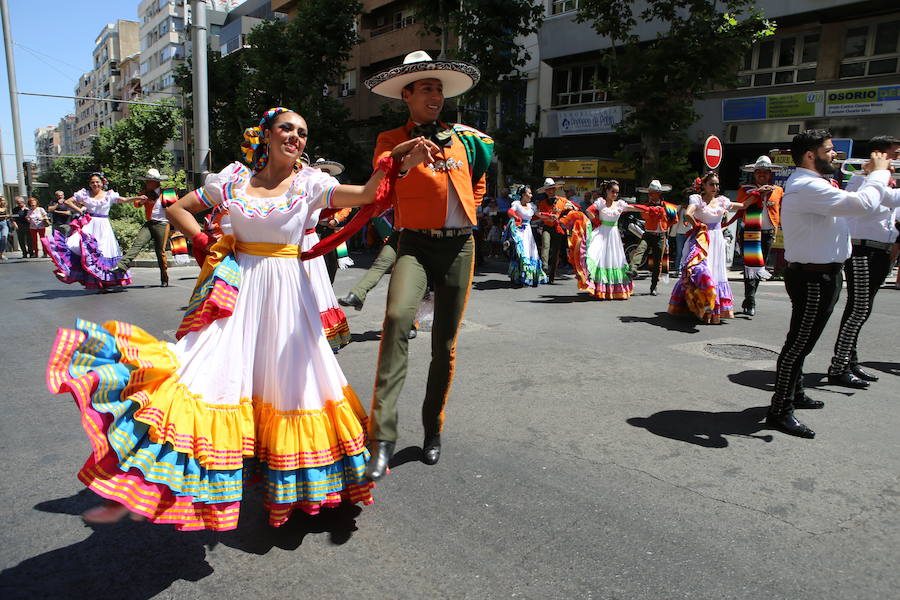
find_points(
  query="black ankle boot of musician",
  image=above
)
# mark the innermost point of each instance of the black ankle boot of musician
(849, 380)
(431, 449)
(381, 453)
(806, 402)
(788, 423)
(864, 375)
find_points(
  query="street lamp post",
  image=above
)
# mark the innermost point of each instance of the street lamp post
(13, 98)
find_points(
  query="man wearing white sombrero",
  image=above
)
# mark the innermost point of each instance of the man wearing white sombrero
(761, 220)
(656, 226)
(553, 236)
(330, 221)
(155, 228)
(435, 207)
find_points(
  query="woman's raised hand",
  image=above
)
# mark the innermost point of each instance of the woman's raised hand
(415, 151)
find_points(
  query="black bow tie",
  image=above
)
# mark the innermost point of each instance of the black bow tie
(435, 132)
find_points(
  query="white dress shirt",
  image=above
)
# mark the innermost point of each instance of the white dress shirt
(813, 215)
(879, 226)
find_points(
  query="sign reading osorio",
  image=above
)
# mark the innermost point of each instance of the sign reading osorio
(592, 120)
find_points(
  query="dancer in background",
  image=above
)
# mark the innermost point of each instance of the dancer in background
(656, 224)
(702, 288)
(595, 246)
(525, 266)
(761, 220)
(90, 253)
(155, 229)
(252, 377)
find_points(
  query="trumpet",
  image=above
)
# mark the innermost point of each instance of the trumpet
(849, 166)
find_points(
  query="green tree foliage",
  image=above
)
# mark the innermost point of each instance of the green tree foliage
(490, 34)
(288, 64)
(68, 174)
(136, 143)
(700, 45)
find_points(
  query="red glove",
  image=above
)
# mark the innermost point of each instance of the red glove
(200, 247)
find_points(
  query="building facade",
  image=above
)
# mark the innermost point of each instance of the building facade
(66, 129)
(832, 64)
(115, 42)
(46, 147)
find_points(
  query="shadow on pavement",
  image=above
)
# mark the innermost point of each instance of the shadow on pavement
(369, 336)
(407, 455)
(141, 560)
(706, 429)
(666, 321)
(63, 293)
(562, 299)
(765, 381)
(890, 368)
(493, 284)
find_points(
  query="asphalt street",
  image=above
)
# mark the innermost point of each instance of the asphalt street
(592, 449)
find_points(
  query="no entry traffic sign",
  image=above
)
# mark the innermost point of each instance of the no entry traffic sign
(712, 152)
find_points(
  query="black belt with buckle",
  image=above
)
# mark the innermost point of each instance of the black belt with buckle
(443, 233)
(886, 246)
(816, 267)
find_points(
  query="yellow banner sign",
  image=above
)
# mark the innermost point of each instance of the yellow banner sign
(570, 168)
(587, 169)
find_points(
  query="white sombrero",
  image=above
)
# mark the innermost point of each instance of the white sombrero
(152, 175)
(549, 183)
(331, 167)
(762, 163)
(655, 186)
(456, 76)
(304, 159)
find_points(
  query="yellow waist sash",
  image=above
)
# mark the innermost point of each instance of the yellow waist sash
(264, 249)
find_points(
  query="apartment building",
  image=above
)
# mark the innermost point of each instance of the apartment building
(831, 64)
(66, 129)
(115, 42)
(46, 147)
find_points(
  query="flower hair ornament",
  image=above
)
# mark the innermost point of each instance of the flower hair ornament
(254, 147)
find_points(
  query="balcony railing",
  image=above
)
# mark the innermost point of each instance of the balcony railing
(398, 24)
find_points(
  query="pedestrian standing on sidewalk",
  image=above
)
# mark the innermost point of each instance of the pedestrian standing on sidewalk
(435, 207)
(816, 245)
(22, 226)
(5, 216)
(60, 214)
(38, 221)
(871, 236)
(155, 228)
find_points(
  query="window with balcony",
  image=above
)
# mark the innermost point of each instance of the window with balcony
(581, 84)
(871, 49)
(558, 7)
(781, 61)
(388, 22)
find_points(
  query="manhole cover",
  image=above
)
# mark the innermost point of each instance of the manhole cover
(740, 352)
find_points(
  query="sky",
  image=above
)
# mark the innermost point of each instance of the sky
(53, 41)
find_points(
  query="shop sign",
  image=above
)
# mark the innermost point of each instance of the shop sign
(570, 168)
(780, 106)
(594, 120)
(614, 169)
(863, 101)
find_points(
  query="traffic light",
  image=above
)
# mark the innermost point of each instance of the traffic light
(29, 168)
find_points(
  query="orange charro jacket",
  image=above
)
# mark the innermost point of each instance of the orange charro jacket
(420, 198)
(775, 198)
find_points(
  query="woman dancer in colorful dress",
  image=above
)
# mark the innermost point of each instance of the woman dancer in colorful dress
(252, 388)
(596, 250)
(525, 266)
(703, 287)
(90, 253)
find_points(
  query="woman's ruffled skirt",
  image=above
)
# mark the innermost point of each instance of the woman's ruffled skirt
(334, 320)
(599, 259)
(525, 265)
(91, 268)
(698, 291)
(170, 456)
